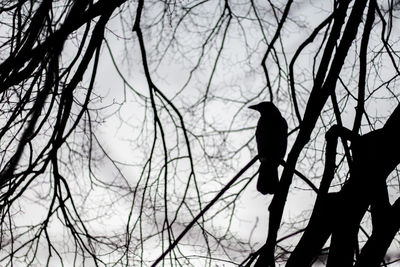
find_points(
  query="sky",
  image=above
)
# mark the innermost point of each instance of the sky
(220, 127)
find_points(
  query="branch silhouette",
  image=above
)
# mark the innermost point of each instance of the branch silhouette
(202, 212)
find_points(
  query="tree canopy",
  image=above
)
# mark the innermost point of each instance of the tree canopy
(125, 133)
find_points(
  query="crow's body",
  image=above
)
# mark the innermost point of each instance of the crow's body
(271, 137)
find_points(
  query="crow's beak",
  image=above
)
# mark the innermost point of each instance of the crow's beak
(255, 107)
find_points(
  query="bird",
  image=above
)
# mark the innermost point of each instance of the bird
(271, 138)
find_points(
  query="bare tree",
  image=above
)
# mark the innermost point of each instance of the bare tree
(179, 98)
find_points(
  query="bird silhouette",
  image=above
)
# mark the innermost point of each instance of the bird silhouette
(271, 137)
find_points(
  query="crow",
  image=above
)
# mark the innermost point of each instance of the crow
(271, 137)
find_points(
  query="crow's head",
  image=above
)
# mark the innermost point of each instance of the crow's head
(266, 109)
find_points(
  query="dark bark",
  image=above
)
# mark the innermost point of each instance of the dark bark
(321, 221)
(382, 235)
(375, 157)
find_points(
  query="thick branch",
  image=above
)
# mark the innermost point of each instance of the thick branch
(375, 249)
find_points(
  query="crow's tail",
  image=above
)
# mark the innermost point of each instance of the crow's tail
(268, 178)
